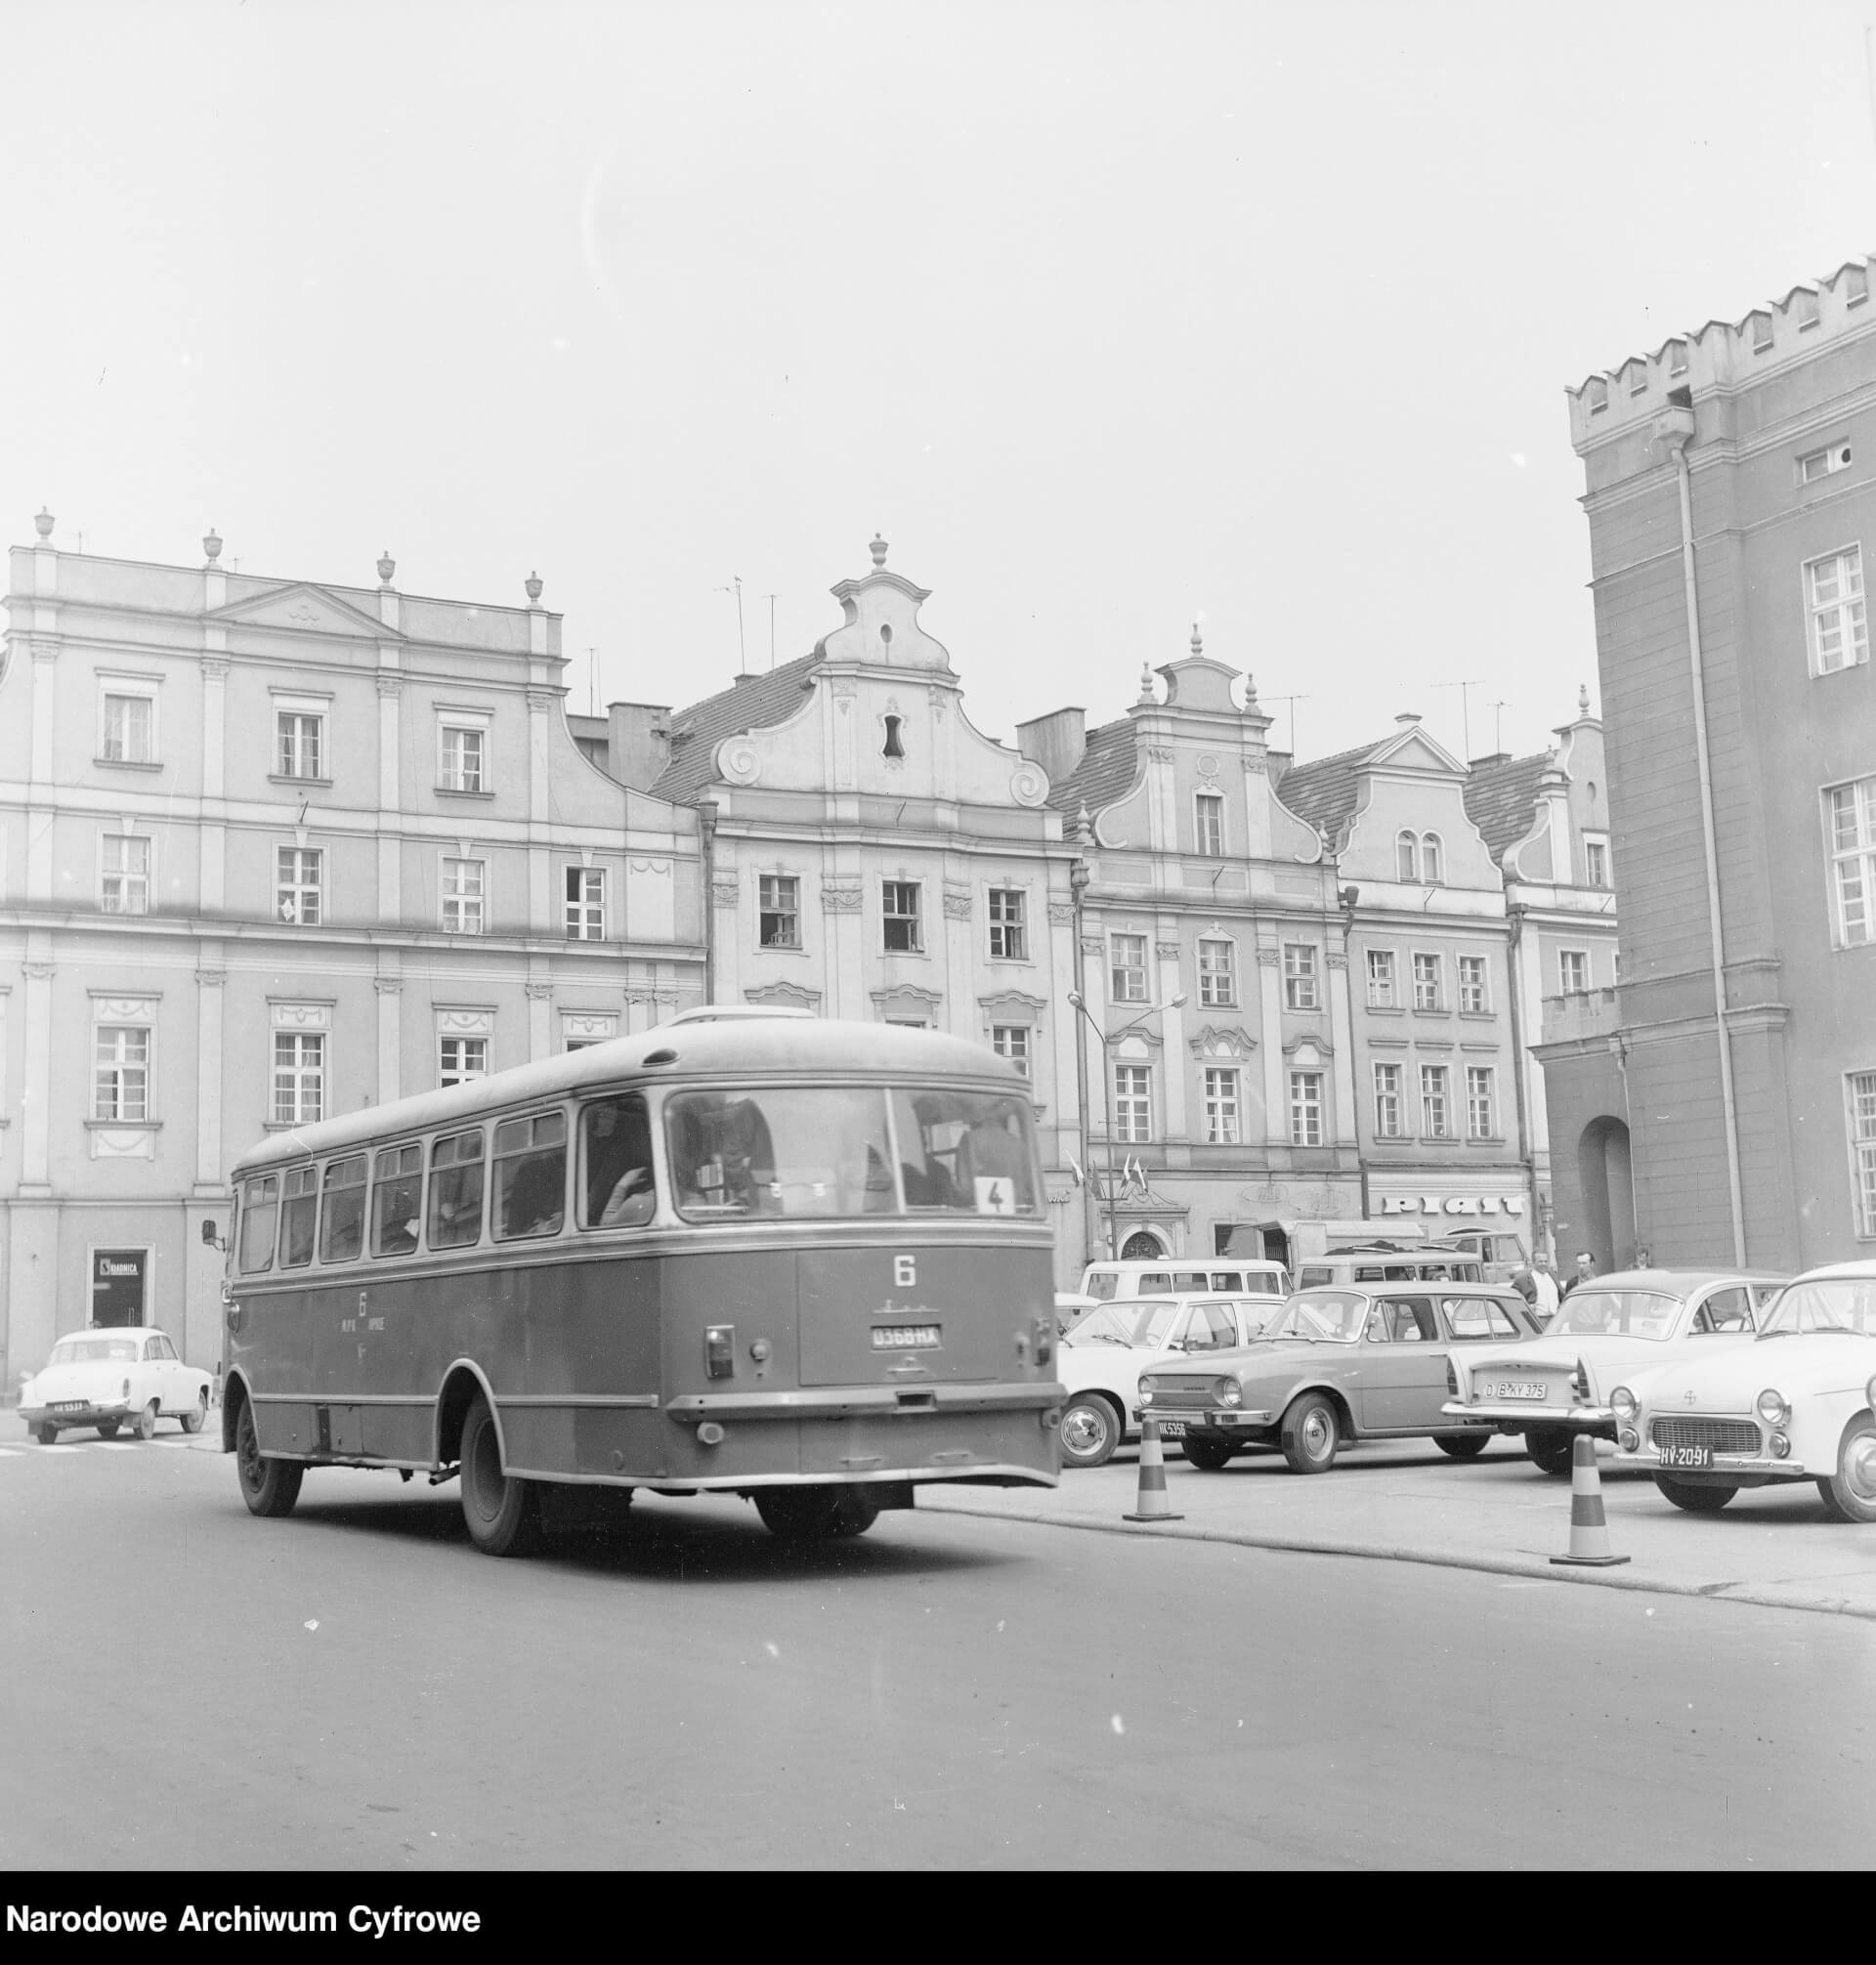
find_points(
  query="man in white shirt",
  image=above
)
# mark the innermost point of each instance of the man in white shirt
(1546, 1286)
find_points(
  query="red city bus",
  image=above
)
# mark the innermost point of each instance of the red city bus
(803, 1261)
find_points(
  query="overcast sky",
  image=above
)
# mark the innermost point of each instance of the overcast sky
(1110, 316)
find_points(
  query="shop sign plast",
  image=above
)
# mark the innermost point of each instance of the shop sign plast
(1453, 1204)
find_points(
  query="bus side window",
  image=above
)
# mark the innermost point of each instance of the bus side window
(342, 1216)
(455, 1190)
(531, 1176)
(296, 1219)
(260, 1216)
(617, 1190)
(397, 1200)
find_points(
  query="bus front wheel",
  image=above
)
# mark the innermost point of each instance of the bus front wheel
(503, 1512)
(814, 1513)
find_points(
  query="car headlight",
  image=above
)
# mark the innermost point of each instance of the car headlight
(1770, 1406)
(1621, 1402)
(1869, 1395)
(1146, 1394)
(1227, 1392)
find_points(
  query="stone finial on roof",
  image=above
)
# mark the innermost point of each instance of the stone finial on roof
(533, 584)
(1198, 646)
(387, 566)
(1146, 684)
(1583, 700)
(878, 550)
(212, 544)
(1084, 825)
(44, 523)
(1250, 691)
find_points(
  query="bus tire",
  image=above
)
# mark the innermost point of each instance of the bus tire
(814, 1513)
(269, 1487)
(503, 1512)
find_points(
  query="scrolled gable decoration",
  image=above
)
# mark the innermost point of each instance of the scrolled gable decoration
(907, 999)
(1028, 784)
(785, 995)
(1223, 1041)
(738, 760)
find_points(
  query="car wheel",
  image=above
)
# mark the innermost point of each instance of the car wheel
(1311, 1433)
(503, 1510)
(1692, 1496)
(269, 1487)
(814, 1513)
(1462, 1445)
(1849, 1494)
(106, 1429)
(44, 1434)
(1091, 1430)
(1208, 1455)
(193, 1420)
(146, 1421)
(1551, 1448)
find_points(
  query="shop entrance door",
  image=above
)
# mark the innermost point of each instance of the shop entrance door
(119, 1287)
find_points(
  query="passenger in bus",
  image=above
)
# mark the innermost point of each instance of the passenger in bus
(728, 1159)
(630, 1203)
(532, 1203)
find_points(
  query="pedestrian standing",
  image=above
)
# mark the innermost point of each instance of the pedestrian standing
(1545, 1285)
(1585, 1271)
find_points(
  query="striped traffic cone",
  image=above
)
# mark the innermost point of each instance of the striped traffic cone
(1589, 1526)
(1150, 1505)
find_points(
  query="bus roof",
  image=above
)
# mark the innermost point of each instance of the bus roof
(753, 1048)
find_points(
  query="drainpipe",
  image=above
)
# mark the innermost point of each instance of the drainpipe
(1078, 879)
(1521, 1063)
(706, 834)
(1677, 431)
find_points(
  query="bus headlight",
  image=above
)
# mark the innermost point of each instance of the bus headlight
(1770, 1406)
(1227, 1392)
(1621, 1402)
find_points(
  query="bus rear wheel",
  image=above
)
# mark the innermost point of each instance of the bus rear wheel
(814, 1513)
(503, 1510)
(269, 1487)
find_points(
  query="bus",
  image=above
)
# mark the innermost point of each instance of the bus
(803, 1261)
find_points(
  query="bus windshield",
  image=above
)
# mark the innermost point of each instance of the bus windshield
(818, 1151)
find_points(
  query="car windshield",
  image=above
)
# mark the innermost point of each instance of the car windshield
(1831, 1304)
(1615, 1314)
(1145, 1323)
(1321, 1316)
(95, 1352)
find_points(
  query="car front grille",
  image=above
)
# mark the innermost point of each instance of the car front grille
(1722, 1435)
(1183, 1386)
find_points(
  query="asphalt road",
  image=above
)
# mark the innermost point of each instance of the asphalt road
(355, 1687)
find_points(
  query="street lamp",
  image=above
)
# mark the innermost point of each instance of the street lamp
(1104, 1037)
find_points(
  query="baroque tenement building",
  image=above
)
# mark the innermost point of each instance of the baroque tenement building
(1720, 1102)
(271, 850)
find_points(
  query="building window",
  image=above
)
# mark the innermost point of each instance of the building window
(1299, 976)
(1132, 1103)
(302, 744)
(1855, 285)
(1406, 858)
(1479, 1116)
(1209, 807)
(1217, 973)
(299, 1077)
(778, 910)
(1760, 327)
(1427, 982)
(900, 905)
(1380, 979)
(462, 760)
(1006, 943)
(1010, 1042)
(299, 877)
(1433, 859)
(1852, 857)
(1472, 983)
(1433, 1102)
(585, 904)
(1598, 394)
(130, 730)
(120, 1086)
(1839, 621)
(1823, 463)
(1595, 863)
(1573, 970)
(1126, 964)
(1221, 1107)
(1638, 377)
(1305, 1108)
(123, 886)
(463, 882)
(1862, 1147)
(462, 1058)
(1677, 358)
(1386, 1101)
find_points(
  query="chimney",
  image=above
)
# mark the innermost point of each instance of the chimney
(638, 742)
(1056, 742)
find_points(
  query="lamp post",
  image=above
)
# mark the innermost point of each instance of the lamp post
(1104, 1037)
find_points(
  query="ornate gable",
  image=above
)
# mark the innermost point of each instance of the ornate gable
(304, 609)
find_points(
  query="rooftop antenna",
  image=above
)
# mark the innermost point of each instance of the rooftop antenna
(736, 587)
(592, 682)
(1465, 710)
(1292, 700)
(770, 598)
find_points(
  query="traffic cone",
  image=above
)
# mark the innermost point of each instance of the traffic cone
(1589, 1526)
(1150, 1504)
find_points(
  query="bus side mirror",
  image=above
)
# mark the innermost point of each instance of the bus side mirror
(212, 1236)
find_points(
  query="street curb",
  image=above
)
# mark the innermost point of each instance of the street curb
(1534, 1567)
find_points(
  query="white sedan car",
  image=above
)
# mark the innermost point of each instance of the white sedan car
(1100, 1361)
(1558, 1386)
(1796, 1405)
(109, 1378)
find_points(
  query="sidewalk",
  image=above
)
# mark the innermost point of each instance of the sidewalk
(1409, 1503)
